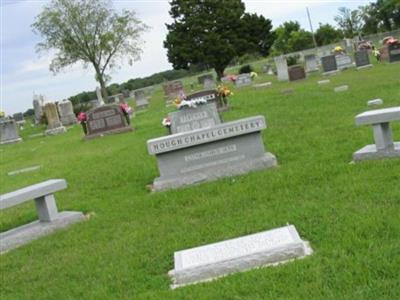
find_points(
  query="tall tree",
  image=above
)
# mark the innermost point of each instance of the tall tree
(212, 33)
(290, 37)
(90, 32)
(349, 21)
(327, 34)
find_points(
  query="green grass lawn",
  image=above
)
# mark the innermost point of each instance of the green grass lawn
(350, 213)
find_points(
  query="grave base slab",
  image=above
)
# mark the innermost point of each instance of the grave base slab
(55, 131)
(330, 73)
(275, 255)
(267, 161)
(24, 234)
(114, 131)
(11, 141)
(369, 152)
(364, 67)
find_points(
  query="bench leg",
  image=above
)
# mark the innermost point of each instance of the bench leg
(46, 208)
(383, 136)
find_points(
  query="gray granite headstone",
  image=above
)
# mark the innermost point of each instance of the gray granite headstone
(394, 52)
(8, 132)
(281, 68)
(207, 154)
(329, 64)
(209, 96)
(192, 118)
(311, 63)
(37, 107)
(66, 112)
(201, 79)
(343, 61)
(362, 59)
(243, 80)
(261, 249)
(141, 100)
(106, 119)
(209, 83)
(173, 90)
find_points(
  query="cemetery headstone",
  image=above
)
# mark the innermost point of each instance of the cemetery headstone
(19, 118)
(54, 125)
(140, 99)
(281, 68)
(343, 61)
(394, 52)
(173, 90)
(296, 73)
(262, 85)
(267, 68)
(311, 63)
(329, 64)
(94, 103)
(106, 119)
(192, 118)
(99, 96)
(225, 79)
(66, 111)
(375, 102)
(384, 146)
(326, 81)
(207, 154)
(210, 96)
(362, 59)
(201, 79)
(37, 107)
(261, 249)
(209, 84)
(8, 132)
(243, 80)
(341, 88)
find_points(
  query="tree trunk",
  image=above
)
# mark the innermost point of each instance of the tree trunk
(103, 87)
(220, 73)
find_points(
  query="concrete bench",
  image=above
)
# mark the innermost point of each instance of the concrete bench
(49, 217)
(384, 146)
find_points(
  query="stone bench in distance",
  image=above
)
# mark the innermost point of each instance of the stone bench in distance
(207, 154)
(384, 146)
(211, 261)
(49, 217)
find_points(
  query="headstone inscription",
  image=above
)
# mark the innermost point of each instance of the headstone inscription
(343, 61)
(261, 249)
(243, 80)
(281, 68)
(54, 126)
(37, 107)
(384, 146)
(19, 118)
(329, 64)
(8, 132)
(210, 96)
(192, 118)
(394, 52)
(362, 59)
(296, 73)
(66, 111)
(311, 63)
(140, 99)
(207, 154)
(106, 119)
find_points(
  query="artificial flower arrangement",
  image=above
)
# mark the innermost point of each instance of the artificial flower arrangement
(253, 75)
(224, 92)
(338, 50)
(82, 118)
(127, 111)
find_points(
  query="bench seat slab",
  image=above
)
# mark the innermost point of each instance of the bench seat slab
(16, 237)
(370, 152)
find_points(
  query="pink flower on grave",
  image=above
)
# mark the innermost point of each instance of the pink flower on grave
(126, 108)
(82, 117)
(231, 77)
(166, 122)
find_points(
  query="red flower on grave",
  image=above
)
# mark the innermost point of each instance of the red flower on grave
(82, 117)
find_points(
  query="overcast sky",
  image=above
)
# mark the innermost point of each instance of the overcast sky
(24, 73)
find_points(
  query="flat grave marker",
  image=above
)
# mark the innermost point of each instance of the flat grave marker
(261, 249)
